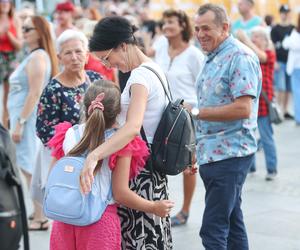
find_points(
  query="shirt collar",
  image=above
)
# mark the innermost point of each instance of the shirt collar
(223, 45)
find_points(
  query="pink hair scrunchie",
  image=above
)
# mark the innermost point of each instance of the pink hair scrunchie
(96, 104)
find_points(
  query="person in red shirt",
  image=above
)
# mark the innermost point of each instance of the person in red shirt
(10, 43)
(64, 17)
(260, 43)
(95, 65)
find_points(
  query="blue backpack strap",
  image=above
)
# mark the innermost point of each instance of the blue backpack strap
(77, 134)
(110, 195)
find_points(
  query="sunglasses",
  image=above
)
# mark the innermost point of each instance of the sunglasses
(27, 29)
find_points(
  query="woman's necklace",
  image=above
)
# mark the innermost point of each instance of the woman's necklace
(35, 49)
(70, 82)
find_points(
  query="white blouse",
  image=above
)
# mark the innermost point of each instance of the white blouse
(292, 43)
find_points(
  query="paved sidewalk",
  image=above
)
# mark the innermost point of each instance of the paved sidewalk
(271, 209)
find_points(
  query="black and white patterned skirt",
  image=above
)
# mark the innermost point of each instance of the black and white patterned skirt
(143, 230)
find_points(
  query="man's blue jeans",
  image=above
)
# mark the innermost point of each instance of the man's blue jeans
(223, 225)
(268, 144)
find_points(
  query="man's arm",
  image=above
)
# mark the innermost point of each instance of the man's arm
(239, 109)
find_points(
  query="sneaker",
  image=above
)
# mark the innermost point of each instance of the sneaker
(270, 176)
(288, 116)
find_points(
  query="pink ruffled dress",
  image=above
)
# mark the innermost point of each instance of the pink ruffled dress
(106, 233)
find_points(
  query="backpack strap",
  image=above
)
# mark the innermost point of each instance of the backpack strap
(162, 82)
(264, 95)
(77, 134)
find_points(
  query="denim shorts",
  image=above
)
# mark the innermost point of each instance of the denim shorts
(282, 80)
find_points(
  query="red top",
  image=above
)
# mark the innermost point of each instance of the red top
(5, 44)
(267, 70)
(95, 65)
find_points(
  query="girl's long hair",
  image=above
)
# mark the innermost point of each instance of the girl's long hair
(45, 41)
(98, 121)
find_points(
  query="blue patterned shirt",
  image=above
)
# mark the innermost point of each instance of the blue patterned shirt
(232, 70)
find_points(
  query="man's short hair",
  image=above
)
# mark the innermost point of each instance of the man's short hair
(219, 11)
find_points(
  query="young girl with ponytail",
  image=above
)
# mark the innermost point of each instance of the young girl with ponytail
(102, 105)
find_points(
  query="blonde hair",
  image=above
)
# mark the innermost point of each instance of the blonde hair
(263, 32)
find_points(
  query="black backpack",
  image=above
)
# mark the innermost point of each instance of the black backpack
(174, 139)
(13, 219)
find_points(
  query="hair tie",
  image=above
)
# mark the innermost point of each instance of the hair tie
(97, 103)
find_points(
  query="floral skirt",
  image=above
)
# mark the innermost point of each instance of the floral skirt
(8, 64)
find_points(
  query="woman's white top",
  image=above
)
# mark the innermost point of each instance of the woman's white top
(292, 43)
(182, 71)
(156, 101)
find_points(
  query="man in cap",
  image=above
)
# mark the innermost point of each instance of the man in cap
(281, 78)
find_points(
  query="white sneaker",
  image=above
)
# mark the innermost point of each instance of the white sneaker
(270, 176)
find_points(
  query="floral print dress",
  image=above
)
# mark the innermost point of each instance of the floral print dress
(58, 104)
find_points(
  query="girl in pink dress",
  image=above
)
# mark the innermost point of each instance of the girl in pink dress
(102, 105)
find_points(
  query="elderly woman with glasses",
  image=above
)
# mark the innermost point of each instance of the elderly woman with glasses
(26, 85)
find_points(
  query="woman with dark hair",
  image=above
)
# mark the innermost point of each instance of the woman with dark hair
(10, 43)
(292, 43)
(26, 85)
(142, 104)
(181, 61)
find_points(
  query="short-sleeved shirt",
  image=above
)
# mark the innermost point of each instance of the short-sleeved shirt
(156, 101)
(232, 70)
(278, 33)
(267, 70)
(246, 26)
(58, 104)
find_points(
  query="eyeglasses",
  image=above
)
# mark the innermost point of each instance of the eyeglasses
(27, 29)
(104, 60)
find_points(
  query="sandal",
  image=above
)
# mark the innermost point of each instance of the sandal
(179, 219)
(31, 217)
(42, 225)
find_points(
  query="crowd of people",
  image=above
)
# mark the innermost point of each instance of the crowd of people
(86, 70)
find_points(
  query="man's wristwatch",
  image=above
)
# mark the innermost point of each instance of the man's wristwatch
(195, 112)
(21, 121)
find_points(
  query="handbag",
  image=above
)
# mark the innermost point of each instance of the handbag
(274, 113)
(64, 200)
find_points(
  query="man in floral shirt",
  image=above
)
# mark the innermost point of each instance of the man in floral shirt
(228, 89)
